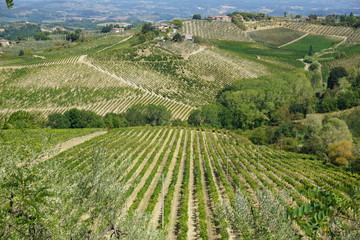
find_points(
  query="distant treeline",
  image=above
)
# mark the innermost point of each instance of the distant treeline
(137, 115)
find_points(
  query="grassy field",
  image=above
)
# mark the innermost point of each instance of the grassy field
(119, 173)
(318, 43)
(271, 56)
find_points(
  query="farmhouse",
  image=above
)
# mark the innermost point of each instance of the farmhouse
(58, 28)
(4, 42)
(222, 18)
(163, 27)
(187, 36)
(117, 30)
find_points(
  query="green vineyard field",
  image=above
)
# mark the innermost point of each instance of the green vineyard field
(202, 169)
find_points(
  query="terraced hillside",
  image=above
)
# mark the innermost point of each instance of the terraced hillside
(200, 169)
(275, 36)
(214, 30)
(115, 76)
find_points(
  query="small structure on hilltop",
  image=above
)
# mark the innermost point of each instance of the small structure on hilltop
(187, 36)
(4, 42)
(222, 18)
(238, 16)
(58, 28)
(163, 27)
(117, 30)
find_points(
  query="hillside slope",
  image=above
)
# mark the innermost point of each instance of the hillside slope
(201, 168)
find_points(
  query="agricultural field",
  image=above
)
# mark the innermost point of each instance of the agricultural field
(275, 36)
(120, 173)
(318, 43)
(214, 30)
(320, 29)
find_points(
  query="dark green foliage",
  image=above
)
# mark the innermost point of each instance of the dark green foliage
(208, 115)
(335, 74)
(23, 119)
(58, 120)
(177, 22)
(83, 119)
(75, 36)
(107, 28)
(41, 36)
(323, 215)
(21, 53)
(197, 16)
(147, 27)
(113, 120)
(154, 115)
(20, 32)
(178, 38)
(23, 200)
(9, 3)
(311, 52)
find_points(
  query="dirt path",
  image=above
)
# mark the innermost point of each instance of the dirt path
(61, 147)
(307, 65)
(176, 199)
(157, 209)
(192, 215)
(295, 40)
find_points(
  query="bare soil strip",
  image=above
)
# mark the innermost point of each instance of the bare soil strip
(295, 40)
(145, 200)
(157, 209)
(176, 199)
(71, 143)
(192, 210)
(133, 195)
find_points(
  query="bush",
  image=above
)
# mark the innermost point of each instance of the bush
(83, 119)
(154, 115)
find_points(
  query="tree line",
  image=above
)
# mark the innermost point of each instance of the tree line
(137, 115)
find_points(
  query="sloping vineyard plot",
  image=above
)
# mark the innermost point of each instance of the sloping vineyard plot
(57, 88)
(214, 30)
(275, 36)
(320, 29)
(199, 171)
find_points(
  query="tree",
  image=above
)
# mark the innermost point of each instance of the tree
(177, 38)
(21, 52)
(42, 36)
(311, 50)
(340, 153)
(197, 16)
(9, 3)
(139, 115)
(83, 119)
(58, 120)
(335, 74)
(107, 28)
(313, 17)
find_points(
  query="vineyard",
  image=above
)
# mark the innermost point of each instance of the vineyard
(275, 36)
(201, 170)
(348, 32)
(214, 30)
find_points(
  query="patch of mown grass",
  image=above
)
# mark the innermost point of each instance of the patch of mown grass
(318, 43)
(251, 51)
